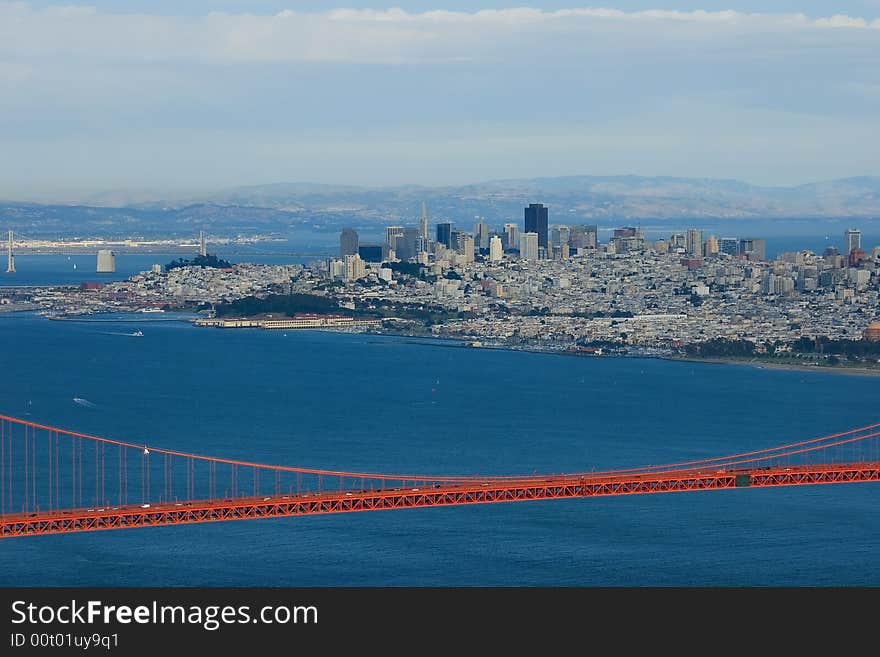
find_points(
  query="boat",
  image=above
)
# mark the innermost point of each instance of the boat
(151, 310)
(138, 333)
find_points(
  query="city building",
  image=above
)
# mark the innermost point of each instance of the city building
(354, 268)
(728, 245)
(423, 223)
(536, 222)
(348, 242)
(753, 249)
(710, 246)
(466, 247)
(496, 251)
(583, 237)
(370, 252)
(694, 242)
(852, 239)
(106, 261)
(481, 235)
(444, 234)
(560, 235)
(528, 246)
(872, 332)
(510, 239)
(391, 233)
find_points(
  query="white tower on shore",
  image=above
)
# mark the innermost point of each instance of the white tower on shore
(10, 266)
(203, 244)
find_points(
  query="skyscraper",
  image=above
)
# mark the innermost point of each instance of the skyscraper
(423, 223)
(495, 249)
(536, 222)
(728, 245)
(481, 234)
(852, 239)
(444, 234)
(583, 237)
(511, 236)
(528, 246)
(391, 232)
(348, 242)
(753, 248)
(694, 241)
(710, 247)
(559, 235)
(405, 244)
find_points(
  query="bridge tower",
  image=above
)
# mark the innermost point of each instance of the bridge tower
(10, 266)
(203, 245)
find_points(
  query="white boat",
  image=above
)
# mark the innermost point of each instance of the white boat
(138, 333)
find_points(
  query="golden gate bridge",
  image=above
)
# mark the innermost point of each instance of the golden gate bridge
(55, 481)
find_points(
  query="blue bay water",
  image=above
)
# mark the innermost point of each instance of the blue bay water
(376, 403)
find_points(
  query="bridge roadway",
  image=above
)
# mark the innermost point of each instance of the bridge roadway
(479, 491)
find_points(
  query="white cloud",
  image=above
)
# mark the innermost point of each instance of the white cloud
(391, 35)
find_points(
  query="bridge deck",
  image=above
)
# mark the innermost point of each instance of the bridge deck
(447, 494)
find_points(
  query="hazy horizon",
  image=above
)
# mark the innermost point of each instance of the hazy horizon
(155, 99)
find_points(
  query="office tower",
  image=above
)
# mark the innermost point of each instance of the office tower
(106, 261)
(370, 252)
(536, 222)
(728, 245)
(496, 251)
(583, 236)
(456, 237)
(335, 268)
(481, 235)
(444, 234)
(528, 246)
(423, 223)
(510, 240)
(348, 242)
(466, 247)
(560, 235)
(354, 267)
(405, 243)
(753, 248)
(710, 247)
(694, 241)
(391, 232)
(852, 239)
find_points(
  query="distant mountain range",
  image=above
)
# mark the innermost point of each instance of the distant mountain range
(604, 200)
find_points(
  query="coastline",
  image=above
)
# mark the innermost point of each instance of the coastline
(439, 340)
(763, 364)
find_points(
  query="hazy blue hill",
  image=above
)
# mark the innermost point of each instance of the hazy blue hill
(282, 207)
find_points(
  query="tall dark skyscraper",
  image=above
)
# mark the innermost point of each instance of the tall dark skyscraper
(536, 222)
(444, 234)
(348, 242)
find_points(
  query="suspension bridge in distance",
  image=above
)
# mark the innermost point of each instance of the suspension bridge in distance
(54, 481)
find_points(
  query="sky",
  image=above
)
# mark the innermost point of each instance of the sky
(173, 98)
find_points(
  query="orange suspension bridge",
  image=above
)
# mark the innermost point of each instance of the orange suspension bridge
(54, 481)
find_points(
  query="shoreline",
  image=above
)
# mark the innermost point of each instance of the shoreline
(762, 364)
(465, 343)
